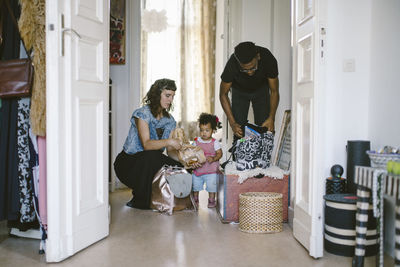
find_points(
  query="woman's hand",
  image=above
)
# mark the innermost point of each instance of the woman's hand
(174, 143)
(196, 165)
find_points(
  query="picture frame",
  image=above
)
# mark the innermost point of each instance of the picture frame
(117, 32)
(282, 157)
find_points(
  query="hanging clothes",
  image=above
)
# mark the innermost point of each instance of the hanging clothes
(10, 156)
(27, 210)
(32, 25)
(9, 191)
(9, 195)
(34, 164)
(42, 180)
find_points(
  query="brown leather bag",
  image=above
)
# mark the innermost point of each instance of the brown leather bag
(16, 75)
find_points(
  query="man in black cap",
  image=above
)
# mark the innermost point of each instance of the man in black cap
(252, 74)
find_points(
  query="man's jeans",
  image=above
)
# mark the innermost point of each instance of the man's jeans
(241, 103)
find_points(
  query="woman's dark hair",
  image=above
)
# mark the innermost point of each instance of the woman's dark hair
(153, 96)
(209, 118)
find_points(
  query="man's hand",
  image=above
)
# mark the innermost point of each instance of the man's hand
(237, 129)
(270, 124)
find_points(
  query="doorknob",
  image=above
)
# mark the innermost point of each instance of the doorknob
(71, 31)
(66, 30)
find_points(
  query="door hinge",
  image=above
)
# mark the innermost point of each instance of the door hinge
(322, 36)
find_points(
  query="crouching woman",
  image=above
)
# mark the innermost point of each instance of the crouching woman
(149, 135)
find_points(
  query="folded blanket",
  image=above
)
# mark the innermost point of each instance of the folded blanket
(273, 172)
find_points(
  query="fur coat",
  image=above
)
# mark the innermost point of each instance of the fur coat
(32, 27)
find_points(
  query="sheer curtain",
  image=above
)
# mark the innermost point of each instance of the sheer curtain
(184, 52)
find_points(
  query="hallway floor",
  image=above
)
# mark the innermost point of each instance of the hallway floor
(188, 238)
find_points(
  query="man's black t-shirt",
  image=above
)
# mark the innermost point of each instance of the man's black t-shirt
(267, 68)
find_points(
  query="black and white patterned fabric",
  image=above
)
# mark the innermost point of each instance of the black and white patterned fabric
(379, 182)
(363, 198)
(391, 187)
(254, 152)
(27, 210)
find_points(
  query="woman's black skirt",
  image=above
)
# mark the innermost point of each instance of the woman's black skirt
(137, 172)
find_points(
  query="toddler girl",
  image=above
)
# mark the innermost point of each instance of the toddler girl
(207, 173)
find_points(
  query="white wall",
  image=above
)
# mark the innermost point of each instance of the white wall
(258, 21)
(281, 36)
(384, 126)
(347, 93)
(384, 102)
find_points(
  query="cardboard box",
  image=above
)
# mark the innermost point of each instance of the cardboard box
(229, 190)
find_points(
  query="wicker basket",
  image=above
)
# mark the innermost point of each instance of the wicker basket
(260, 212)
(379, 160)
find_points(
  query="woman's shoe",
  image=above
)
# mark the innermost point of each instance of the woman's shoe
(212, 203)
(130, 203)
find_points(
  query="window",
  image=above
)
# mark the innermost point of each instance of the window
(184, 51)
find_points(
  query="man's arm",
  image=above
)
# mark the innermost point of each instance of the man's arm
(226, 105)
(274, 101)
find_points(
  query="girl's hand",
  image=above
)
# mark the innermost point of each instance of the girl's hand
(210, 159)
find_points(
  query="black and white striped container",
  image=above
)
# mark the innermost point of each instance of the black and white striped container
(340, 226)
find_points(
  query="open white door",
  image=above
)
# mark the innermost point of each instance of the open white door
(77, 69)
(307, 38)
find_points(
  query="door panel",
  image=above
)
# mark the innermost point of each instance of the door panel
(307, 223)
(77, 125)
(89, 60)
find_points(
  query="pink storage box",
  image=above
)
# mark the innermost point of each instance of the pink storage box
(229, 190)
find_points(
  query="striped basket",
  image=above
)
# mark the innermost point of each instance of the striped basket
(260, 212)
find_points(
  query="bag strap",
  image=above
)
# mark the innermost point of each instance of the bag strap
(232, 150)
(223, 165)
(16, 25)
